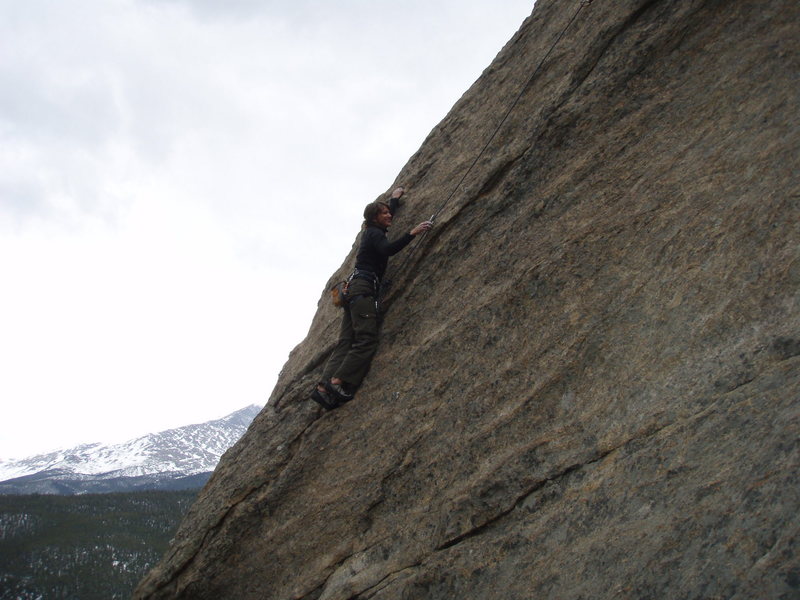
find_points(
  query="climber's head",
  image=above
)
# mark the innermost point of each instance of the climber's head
(377, 213)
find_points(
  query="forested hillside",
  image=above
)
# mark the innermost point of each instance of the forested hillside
(89, 547)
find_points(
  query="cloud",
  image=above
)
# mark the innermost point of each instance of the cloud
(21, 198)
(169, 167)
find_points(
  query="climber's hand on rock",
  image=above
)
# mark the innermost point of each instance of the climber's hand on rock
(424, 226)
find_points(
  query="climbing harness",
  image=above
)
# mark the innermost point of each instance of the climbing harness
(583, 3)
(340, 292)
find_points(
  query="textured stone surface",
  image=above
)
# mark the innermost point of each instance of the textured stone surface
(589, 373)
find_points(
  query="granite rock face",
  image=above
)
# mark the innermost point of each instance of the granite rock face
(588, 384)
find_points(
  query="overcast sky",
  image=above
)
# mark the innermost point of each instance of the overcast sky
(178, 180)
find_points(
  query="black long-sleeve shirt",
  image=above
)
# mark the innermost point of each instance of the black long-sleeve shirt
(375, 249)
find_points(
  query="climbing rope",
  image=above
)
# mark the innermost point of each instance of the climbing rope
(583, 4)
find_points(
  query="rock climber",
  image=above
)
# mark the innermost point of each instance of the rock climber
(358, 337)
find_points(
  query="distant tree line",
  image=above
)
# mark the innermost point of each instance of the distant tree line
(91, 547)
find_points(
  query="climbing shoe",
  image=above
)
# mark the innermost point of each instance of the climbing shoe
(323, 399)
(338, 392)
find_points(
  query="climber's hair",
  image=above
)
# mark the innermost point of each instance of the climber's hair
(372, 211)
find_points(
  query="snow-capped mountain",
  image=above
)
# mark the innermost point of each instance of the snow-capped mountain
(176, 458)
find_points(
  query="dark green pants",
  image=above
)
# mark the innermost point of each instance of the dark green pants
(358, 337)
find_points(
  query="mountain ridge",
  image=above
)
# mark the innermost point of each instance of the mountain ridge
(175, 458)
